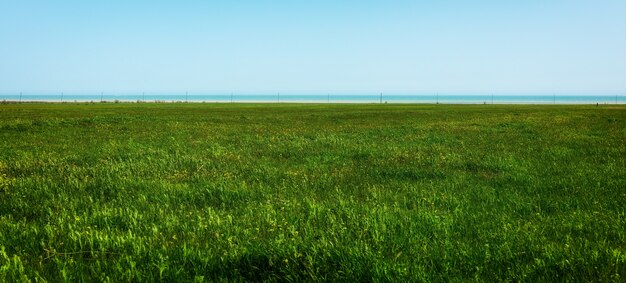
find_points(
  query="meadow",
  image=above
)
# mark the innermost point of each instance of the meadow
(312, 192)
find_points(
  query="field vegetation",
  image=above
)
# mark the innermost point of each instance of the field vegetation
(304, 192)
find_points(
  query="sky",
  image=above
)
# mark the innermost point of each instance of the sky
(313, 46)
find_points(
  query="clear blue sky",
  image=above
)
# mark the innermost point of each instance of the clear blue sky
(341, 46)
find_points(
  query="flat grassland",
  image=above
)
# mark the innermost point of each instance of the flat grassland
(288, 192)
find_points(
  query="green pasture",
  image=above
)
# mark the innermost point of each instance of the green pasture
(198, 192)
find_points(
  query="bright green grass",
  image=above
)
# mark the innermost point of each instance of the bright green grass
(203, 192)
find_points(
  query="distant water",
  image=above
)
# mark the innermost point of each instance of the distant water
(444, 98)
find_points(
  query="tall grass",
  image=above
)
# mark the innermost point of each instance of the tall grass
(204, 192)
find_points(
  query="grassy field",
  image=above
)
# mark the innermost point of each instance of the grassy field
(204, 192)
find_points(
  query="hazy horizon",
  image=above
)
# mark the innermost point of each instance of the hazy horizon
(365, 46)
